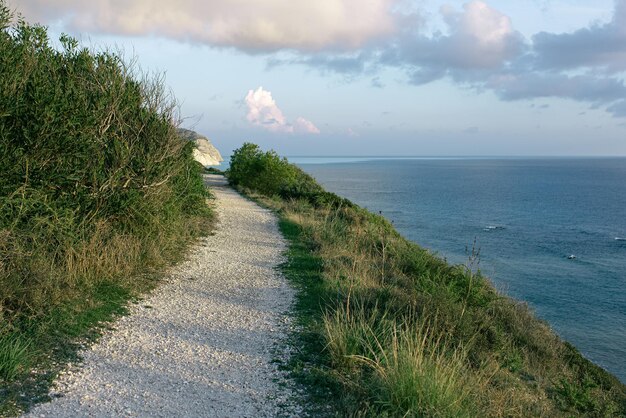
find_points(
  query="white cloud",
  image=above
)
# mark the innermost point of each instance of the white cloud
(263, 112)
(305, 126)
(484, 32)
(252, 25)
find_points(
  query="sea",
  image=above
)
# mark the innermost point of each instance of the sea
(549, 231)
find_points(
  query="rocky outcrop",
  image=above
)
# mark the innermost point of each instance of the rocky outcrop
(205, 152)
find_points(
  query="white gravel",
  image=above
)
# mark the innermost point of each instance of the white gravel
(205, 342)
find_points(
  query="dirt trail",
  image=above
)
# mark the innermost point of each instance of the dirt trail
(204, 343)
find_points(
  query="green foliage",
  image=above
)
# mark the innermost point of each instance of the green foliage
(14, 355)
(270, 175)
(80, 132)
(264, 172)
(96, 187)
(82, 142)
(403, 333)
(578, 397)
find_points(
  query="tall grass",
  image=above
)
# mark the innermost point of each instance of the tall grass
(97, 190)
(412, 371)
(407, 334)
(14, 354)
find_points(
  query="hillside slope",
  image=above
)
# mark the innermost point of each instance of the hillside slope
(391, 330)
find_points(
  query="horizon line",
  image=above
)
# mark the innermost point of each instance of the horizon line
(454, 156)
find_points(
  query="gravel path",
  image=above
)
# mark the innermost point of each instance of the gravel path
(204, 343)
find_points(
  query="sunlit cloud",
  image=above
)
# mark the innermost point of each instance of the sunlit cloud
(483, 51)
(250, 25)
(305, 126)
(263, 112)
(479, 39)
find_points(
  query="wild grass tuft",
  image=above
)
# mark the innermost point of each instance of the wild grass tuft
(14, 355)
(412, 371)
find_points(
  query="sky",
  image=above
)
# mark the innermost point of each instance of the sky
(375, 77)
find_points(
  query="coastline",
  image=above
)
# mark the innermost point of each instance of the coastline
(447, 206)
(487, 354)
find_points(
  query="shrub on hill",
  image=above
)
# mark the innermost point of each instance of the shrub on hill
(268, 174)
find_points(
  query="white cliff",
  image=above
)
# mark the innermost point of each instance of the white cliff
(205, 152)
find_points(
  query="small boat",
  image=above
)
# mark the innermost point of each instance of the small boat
(571, 257)
(620, 239)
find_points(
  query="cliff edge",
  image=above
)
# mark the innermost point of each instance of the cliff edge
(205, 152)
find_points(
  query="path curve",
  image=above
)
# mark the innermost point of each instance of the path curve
(205, 342)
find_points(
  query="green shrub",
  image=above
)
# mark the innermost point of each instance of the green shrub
(270, 175)
(82, 142)
(78, 129)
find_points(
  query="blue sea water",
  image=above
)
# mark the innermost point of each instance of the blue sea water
(527, 216)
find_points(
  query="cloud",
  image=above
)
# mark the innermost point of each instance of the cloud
(479, 40)
(618, 109)
(479, 37)
(375, 82)
(305, 126)
(597, 46)
(251, 25)
(346, 64)
(587, 88)
(483, 51)
(263, 112)
(478, 48)
(583, 65)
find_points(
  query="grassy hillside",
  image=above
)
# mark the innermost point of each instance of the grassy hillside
(388, 329)
(97, 195)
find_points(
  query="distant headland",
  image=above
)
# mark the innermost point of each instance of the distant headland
(205, 152)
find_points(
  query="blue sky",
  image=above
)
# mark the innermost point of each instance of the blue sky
(376, 77)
